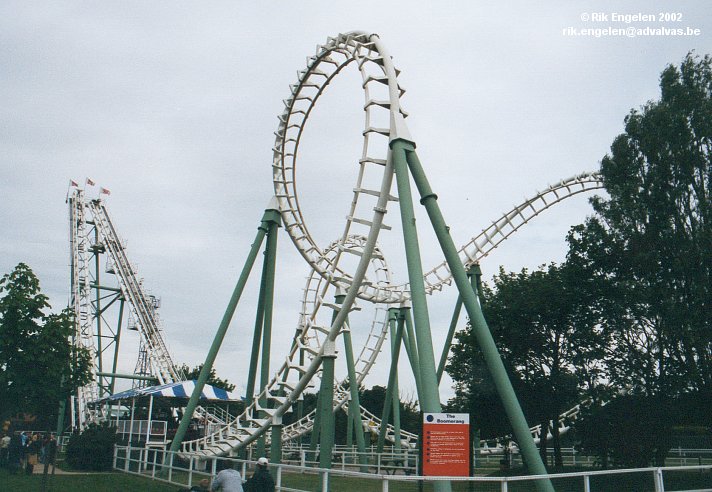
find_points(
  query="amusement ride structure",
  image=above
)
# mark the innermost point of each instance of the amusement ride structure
(346, 274)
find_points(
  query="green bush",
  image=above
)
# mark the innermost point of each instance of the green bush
(93, 449)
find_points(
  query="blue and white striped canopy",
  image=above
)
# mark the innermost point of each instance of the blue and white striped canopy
(181, 389)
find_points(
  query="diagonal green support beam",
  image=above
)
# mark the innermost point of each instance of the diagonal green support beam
(392, 377)
(410, 347)
(270, 265)
(354, 417)
(484, 338)
(428, 396)
(453, 324)
(271, 215)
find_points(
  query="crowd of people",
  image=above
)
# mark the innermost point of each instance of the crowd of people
(23, 450)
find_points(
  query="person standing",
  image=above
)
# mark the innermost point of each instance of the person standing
(227, 480)
(4, 450)
(15, 452)
(261, 480)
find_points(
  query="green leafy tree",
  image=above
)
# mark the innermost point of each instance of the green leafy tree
(213, 379)
(40, 366)
(630, 431)
(546, 324)
(652, 238)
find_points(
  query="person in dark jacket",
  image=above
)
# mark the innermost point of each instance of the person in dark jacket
(261, 480)
(15, 453)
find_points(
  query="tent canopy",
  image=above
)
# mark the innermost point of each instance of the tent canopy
(180, 389)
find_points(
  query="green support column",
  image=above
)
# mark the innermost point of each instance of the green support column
(354, 417)
(275, 450)
(97, 306)
(271, 215)
(316, 427)
(453, 324)
(350, 427)
(479, 325)
(410, 347)
(396, 392)
(269, 269)
(116, 344)
(256, 338)
(326, 397)
(429, 397)
(392, 376)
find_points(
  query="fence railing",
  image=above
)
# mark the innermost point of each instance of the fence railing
(185, 471)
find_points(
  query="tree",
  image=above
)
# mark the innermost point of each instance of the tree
(40, 366)
(547, 326)
(630, 431)
(652, 238)
(213, 379)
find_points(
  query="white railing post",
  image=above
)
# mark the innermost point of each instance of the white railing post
(586, 483)
(384, 487)
(325, 481)
(504, 484)
(116, 453)
(128, 457)
(378, 464)
(278, 485)
(659, 485)
(190, 471)
(155, 460)
(170, 466)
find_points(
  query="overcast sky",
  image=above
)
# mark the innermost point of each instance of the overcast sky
(172, 106)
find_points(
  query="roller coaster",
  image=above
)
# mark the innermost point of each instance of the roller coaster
(346, 275)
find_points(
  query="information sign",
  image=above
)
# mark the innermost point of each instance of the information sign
(446, 444)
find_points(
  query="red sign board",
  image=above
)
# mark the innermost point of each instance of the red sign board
(446, 444)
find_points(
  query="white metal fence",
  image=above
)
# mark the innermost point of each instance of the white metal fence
(188, 470)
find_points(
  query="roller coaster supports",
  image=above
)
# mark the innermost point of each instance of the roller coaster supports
(256, 340)
(326, 410)
(116, 345)
(411, 348)
(396, 401)
(271, 215)
(275, 450)
(392, 377)
(99, 352)
(471, 274)
(428, 396)
(484, 338)
(268, 302)
(354, 417)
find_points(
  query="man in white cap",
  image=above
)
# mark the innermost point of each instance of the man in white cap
(261, 480)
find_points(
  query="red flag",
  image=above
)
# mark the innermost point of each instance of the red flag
(104, 191)
(73, 183)
(90, 182)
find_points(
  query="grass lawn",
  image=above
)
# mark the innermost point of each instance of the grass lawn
(94, 482)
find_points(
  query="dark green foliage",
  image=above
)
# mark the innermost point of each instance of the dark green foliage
(630, 431)
(93, 449)
(213, 379)
(546, 325)
(652, 238)
(39, 365)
